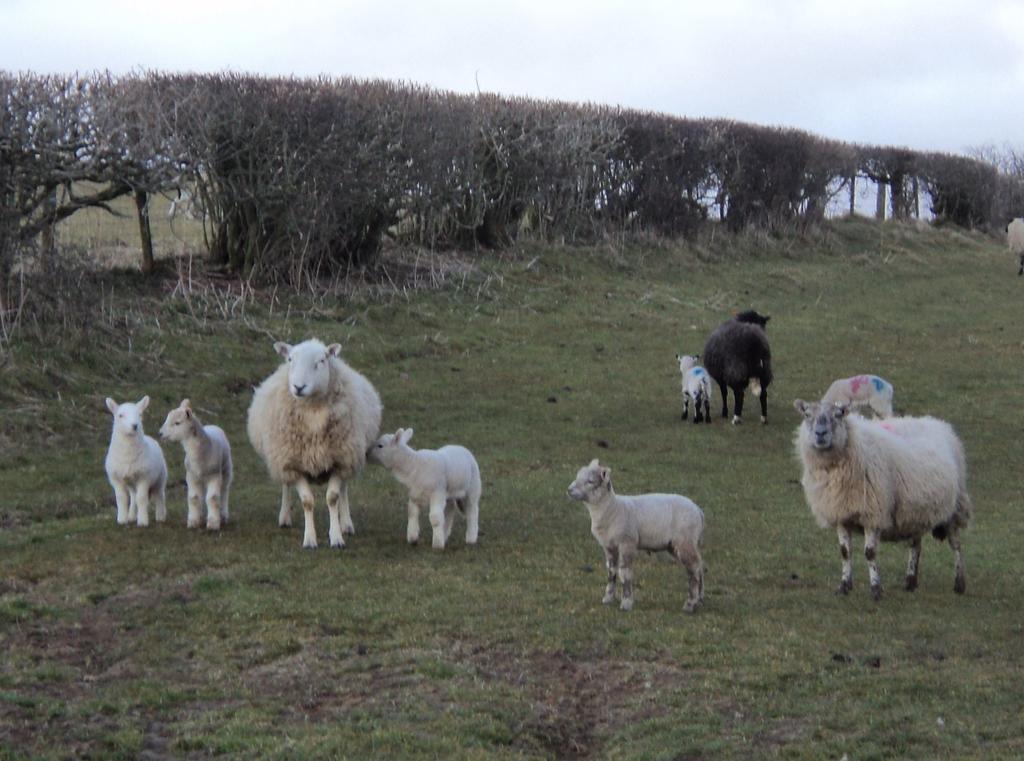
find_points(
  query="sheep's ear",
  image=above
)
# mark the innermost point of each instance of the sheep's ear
(405, 435)
(696, 356)
(766, 318)
(185, 404)
(334, 350)
(606, 476)
(283, 349)
(112, 406)
(143, 403)
(594, 464)
(800, 406)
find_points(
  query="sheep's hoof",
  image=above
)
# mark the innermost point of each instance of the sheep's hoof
(736, 420)
(844, 587)
(627, 604)
(960, 585)
(192, 524)
(764, 420)
(349, 530)
(690, 607)
(413, 541)
(309, 545)
(337, 545)
(212, 526)
(911, 584)
(284, 524)
(876, 592)
(608, 599)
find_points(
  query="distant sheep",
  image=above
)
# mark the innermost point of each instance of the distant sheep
(893, 479)
(135, 465)
(738, 357)
(312, 421)
(862, 391)
(1015, 241)
(625, 525)
(439, 480)
(696, 388)
(208, 467)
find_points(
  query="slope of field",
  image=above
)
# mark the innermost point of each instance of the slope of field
(129, 643)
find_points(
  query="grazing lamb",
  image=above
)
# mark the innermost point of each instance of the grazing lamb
(893, 479)
(312, 420)
(738, 357)
(624, 525)
(439, 480)
(208, 467)
(135, 465)
(1015, 240)
(696, 387)
(862, 391)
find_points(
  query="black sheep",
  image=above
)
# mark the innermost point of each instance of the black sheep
(737, 355)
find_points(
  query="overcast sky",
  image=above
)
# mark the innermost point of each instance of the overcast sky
(928, 74)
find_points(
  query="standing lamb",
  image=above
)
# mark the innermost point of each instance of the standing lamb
(1015, 241)
(439, 480)
(135, 465)
(893, 479)
(738, 357)
(208, 467)
(696, 387)
(862, 391)
(312, 420)
(625, 525)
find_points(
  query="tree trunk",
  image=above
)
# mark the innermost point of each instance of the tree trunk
(853, 194)
(880, 202)
(145, 233)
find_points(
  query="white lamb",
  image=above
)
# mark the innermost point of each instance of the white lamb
(312, 420)
(696, 388)
(862, 391)
(208, 467)
(893, 479)
(625, 525)
(1015, 241)
(439, 480)
(135, 465)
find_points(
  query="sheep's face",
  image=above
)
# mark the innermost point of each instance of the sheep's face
(128, 416)
(751, 316)
(179, 423)
(385, 449)
(592, 482)
(825, 424)
(686, 362)
(309, 371)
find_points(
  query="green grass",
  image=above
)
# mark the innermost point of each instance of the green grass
(119, 641)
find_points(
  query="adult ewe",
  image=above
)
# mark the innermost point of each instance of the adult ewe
(737, 356)
(1015, 240)
(862, 391)
(893, 479)
(312, 421)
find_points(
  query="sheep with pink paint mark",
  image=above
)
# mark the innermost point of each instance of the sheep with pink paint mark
(862, 391)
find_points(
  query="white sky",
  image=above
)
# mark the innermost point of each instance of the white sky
(929, 74)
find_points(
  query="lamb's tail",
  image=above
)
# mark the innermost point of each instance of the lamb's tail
(754, 385)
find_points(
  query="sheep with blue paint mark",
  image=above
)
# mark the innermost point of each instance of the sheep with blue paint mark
(862, 391)
(696, 388)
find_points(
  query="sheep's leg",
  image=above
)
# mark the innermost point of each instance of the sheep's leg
(871, 538)
(686, 407)
(611, 561)
(133, 507)
(309, 528)
(473, 515)
(764, 403)
(846, 584)
(723, 389)
(912, 563)
(626, 577)
(142, 502)
(960, 582)
(160, 497)
(195, 501)
(123, 500)
(412, 530)
(347, 527)
(449, 518)
(224, 489)
(737, 405)
(437, 503)
(336, 488)
(284, 518)
(214, 489)
(707, 409)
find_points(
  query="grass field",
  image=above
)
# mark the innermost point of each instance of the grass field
(130, 643)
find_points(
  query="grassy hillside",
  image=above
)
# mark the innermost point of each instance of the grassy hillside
(125, 643)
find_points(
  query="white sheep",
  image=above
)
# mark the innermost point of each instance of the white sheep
(862, 391)
(135, 465)
(439, 480)
(208, 467)
(1015, 241)
(893, 479)
(625, 525)
(312, 420)
(696, 387)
